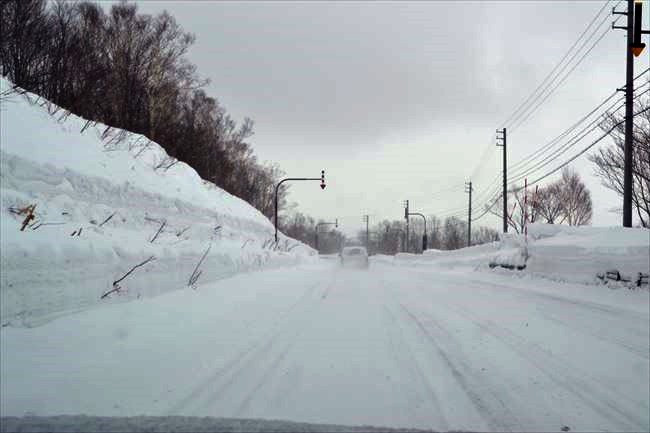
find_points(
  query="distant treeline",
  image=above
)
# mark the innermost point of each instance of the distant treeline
(130, 71)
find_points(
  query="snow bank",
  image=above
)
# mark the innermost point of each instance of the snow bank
(577, 254)
(561, 253)
(103, 207)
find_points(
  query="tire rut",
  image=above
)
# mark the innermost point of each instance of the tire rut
(573, 381)
(238, 363)
(498, 417)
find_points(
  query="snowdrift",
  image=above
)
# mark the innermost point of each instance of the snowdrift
(104, 203)
(557, 252)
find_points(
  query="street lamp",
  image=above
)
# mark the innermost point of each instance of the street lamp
(336, 224)
(322, 186)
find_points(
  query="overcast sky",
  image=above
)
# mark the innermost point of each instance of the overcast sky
(399, 100)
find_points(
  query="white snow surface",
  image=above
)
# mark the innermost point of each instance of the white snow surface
(396, 346)
(77, 180)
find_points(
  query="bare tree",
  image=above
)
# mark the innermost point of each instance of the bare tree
(454, 233)
(547, 204)
(609, 160)
(574, 198)
(515, 217)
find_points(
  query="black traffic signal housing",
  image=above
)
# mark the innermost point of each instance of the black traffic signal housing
(637, 46)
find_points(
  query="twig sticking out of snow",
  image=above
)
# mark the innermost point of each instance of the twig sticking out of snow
(159, 230)
(197, 273)
(29, 215)
(37, 225)
(116, 283)
(107, 219)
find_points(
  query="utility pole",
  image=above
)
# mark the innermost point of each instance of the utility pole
(406, 217)
(634, 48)
(505, 177)
(468, 189)
(366, 219)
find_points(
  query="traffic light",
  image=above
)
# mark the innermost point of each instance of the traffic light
(406, 210)
(322, 179)
(637, 46)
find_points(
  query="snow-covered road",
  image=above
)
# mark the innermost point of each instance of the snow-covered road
(397, 346)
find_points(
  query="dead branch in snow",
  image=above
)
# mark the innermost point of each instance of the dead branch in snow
(116, 284)
(107, 219)
(197, 273)
(164, 222)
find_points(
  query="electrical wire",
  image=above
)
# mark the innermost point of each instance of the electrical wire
(550, 74)
(514, 127)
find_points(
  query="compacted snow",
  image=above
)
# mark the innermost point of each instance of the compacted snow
(393, 346)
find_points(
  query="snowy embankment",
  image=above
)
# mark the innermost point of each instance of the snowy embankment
(561, 253)
(103, 203)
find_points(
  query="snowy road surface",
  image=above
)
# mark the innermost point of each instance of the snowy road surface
(392, 346)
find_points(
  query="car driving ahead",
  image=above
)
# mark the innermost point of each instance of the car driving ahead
(354, 257)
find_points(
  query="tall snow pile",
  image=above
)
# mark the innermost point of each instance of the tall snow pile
(558, 252)
(578, 254)
(102, 204)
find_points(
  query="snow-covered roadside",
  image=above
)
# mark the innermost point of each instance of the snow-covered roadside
(102, 208)
(556, 252)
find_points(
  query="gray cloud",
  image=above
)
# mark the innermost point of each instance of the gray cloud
(394, 90)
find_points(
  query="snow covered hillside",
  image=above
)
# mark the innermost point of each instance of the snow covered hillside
(104, 204)
(562, 253)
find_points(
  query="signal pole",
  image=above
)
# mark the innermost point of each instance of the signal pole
(366, 219)
(406, 217)
(468, 189)
(505, 177)
(275, 200)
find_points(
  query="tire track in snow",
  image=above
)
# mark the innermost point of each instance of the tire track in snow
(414, 368)
(573, 381)
(605, 311)
(238, 363)
(643, 352)
(290, 334)
(498, 416)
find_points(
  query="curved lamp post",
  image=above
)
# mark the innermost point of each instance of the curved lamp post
(335, 223)
(322, 186)
(424, 236)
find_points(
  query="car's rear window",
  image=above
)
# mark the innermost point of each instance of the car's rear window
(353, 252)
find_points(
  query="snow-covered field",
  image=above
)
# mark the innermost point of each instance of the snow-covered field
(99, 203)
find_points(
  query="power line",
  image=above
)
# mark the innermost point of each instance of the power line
(573, 158)
(561, 150)
(548, 95)
(591, 126)
(528, 99)
(565, 133)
